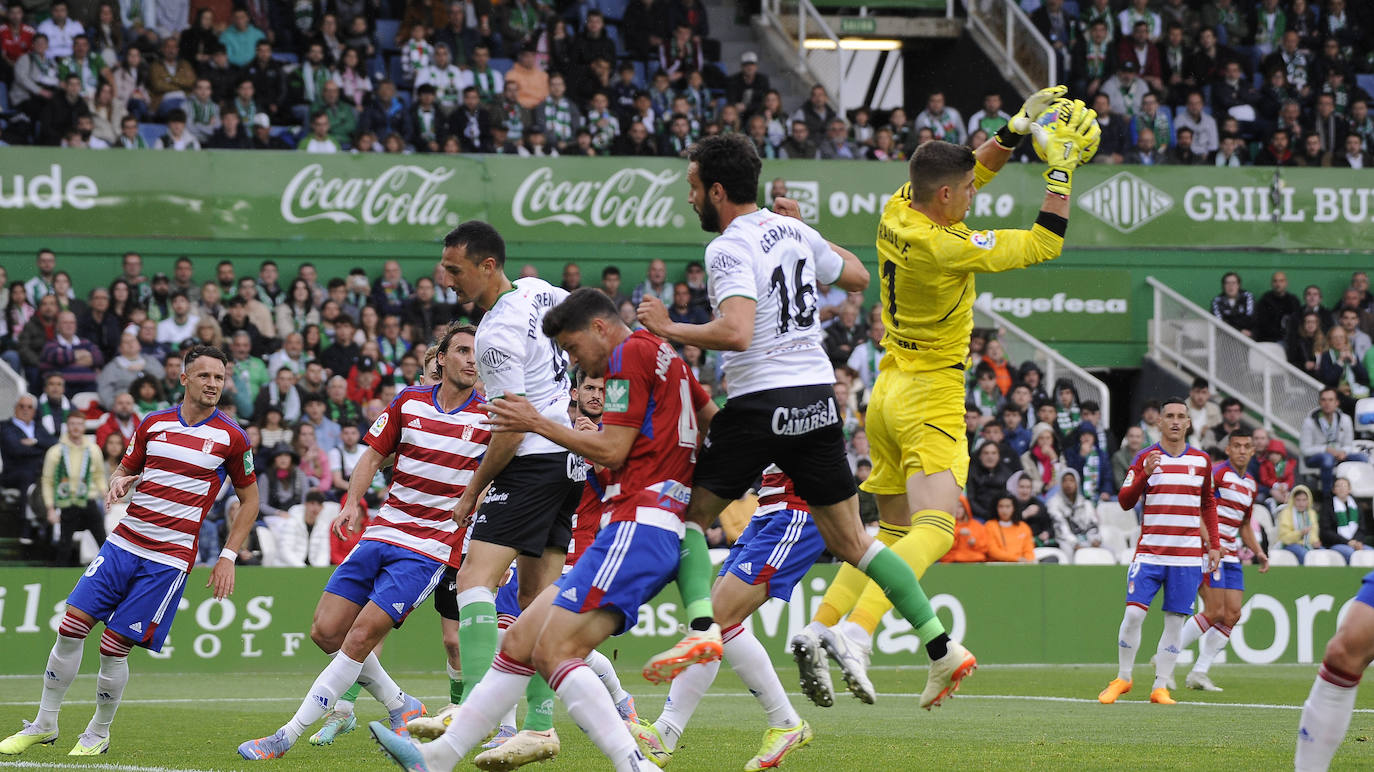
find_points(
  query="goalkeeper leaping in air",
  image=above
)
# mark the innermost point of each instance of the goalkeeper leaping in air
(928, 259)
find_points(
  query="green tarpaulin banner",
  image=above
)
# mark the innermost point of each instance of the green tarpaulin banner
(374, 197)
(1005, 613)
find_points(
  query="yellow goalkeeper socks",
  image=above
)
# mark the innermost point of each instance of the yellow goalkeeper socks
(931, 535)
(850, 582)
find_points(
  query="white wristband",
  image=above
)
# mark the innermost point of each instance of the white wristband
(228, 554)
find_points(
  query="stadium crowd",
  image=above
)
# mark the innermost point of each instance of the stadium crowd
(1192, 82)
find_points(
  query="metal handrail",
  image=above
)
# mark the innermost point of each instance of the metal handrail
(1263, 403)
(772, 12)
(980, 13)
(12, 386)
(1055, 364)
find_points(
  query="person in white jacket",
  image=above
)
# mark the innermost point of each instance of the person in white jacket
(302, 534)
(1328, 438)
(1074, 516)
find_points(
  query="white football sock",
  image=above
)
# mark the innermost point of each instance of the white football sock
(591, 707)
(856, 635)
(1325, 719)
(1128, 641)
(684, 695)
(1212, 643)
(332, 681)
(500, 689)
(109, 690)
(749, 659)
(1166, 656)
(64, 662)
(601, 665)
(1196, 627)
(377, 683)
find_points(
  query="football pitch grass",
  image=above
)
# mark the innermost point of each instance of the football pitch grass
(1012, 717)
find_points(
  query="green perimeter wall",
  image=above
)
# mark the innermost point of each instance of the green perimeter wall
(1005, 613)
(1185, 225)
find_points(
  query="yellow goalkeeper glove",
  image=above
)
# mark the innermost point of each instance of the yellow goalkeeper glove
(1038, 103)
(1071, 143)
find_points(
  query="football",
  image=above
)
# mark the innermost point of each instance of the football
(1050, 120)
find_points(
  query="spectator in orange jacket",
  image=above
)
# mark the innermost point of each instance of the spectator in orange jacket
(970, 541)
(995, 356)
(1276, 467)
(1009, 540)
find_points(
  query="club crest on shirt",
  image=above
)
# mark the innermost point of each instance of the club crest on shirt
(207, 446)
(378, 425)
(467, 433)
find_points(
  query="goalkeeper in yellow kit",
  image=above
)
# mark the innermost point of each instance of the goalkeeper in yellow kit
(927, 262)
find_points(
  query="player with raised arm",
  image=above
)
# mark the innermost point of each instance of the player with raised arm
(649, 440)
(762, 273)
(535, 484)
(176, 464)
(1179, 519)
(438, 436)
(928, 261)
(1223, 590)
(775, 551)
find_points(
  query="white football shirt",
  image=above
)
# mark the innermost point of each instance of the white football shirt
(776, 262)
(515, 357)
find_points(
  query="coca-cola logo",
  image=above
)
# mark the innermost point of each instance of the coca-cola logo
(406, 195)
(628, 198)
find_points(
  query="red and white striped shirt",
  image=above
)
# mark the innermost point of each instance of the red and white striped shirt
(1235, 495)
(775, 493)
(587, 517)
(1178, 504)
(183, 468)
(436, 455)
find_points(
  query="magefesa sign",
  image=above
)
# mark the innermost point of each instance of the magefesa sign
(1061, 304)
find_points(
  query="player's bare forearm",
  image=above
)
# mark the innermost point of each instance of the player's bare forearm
(1056, 204)
(992, 155)
(608, 447)
(244, 520)
(499, 453)
(854, 276)
(1247, 536)
(704, 415)
(731, 330)
(363, 472)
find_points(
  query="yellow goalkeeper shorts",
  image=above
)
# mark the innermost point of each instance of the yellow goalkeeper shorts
(915, 424)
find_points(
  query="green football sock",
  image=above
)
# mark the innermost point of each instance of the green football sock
(538, 706)
(694, 578)
(476, 638)
(351, 695)
(900, 585)
(455, 691)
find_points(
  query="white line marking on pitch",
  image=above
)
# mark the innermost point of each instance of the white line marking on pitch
(108, 767)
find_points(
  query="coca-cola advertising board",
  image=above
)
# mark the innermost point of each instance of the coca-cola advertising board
(377, 197)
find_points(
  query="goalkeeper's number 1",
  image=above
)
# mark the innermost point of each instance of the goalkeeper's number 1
(890, 274)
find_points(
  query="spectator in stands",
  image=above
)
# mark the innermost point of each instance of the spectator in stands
(1149, 421)
(1298, 529)
(72, 482)
(1235, 306)
(1115, 141)
(1182, 153)
(636, 142)
(1339, 524)
(1203, 414)
(1015, 433)
(943, 121)
(340, 409)
(866, 355)
(1146, 151)
(1231, 153)
(61, 30)
(1275, 307)
(1348, 318)
(655, 283)
(147, 339)
(1043, 463)
(314, 461)
(1328, 437)
(816, 113)
(1306, 342)
(76, 358)
(1340, 369)
(119, 373)
(180, 326)
(291, 355)
(1352, 154)
(1122, 459)
(283, 485)
(1126, 90)
(1312, 155)
(1219, 436)
(1278, 151)
(1074, 515)
(1031, 509)
(970, 540)
(1068, 415)
(836, 143)
(282, 394)
(746, 88)
(23, 443)
(1087, 455)
(147, 394)
(1009, 538)
(60, 112)
(53, 405)
(121, 420)
(987, 481)
(313, 414)
(682, 310)
(297, 310)
(1277, 468)
(842, 337)
(798, 144)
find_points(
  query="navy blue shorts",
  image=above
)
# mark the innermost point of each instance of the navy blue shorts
(1366, 593)
(1228, 576)
(1180, 584)
(776, 549)
(626, 566)
(395, 578)
(133, 596)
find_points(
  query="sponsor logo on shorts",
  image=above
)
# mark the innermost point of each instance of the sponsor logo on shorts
(496, 498)
(570, 594)
(790, 421)
(617, 396)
